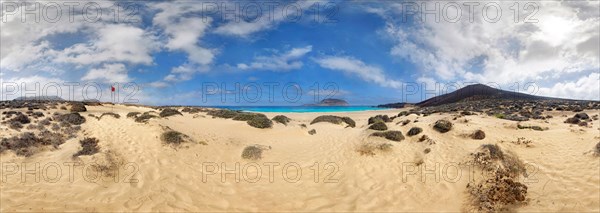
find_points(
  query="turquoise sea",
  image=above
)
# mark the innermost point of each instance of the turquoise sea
(284, 109)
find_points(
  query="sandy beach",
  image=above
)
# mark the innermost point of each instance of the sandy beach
(298, 172)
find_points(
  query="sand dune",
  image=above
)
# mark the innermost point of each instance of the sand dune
(563, 173)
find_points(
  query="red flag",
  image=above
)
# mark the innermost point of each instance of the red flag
(112, 89)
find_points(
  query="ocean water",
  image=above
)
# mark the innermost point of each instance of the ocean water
(302, 108)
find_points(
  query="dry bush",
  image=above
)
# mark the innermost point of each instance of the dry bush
(254, 152)
(369, 149)
(246, 116)
(414, 131)
(223, 113)
(169, 112)
(114, 115)
(172, 137)
(334, 120)
(72, 118)
(379, 126)
(133, 114)
(442, 126)
(77, 107)
(478, 135)
(390, 135)
(282, 119)
(379, 118)
(501, 191)
(27, 144)
(261, 122)
(89, 146)
(144, 117)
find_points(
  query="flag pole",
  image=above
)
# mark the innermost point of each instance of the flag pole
(112, 98)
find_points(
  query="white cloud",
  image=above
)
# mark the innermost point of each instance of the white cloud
(358, 68)
(244, 28)
(283, 62)
(184, 33)
(561, 43)
(586, 88)
(109, 73)
(115, 43)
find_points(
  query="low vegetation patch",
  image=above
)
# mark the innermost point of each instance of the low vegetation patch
(282, 119)
(379, 118)
(312, 132)
(89, 146)
(133, 114)
(246, 116)
(261, 122)
(478, 135)
(223, 113)
(499, 190)
(253, 152)
(414, 131)
(370, 149)
(114, 115)
(27, 143)
(144, 118)
(442, 126)
(390, 135)
(379, 126)
(536, 128)
(78, 107)
(334, 120)
(169, 112)
(192, 110)
(72, 118)
(172, 137)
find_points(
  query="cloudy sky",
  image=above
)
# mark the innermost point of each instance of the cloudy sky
(290, 53)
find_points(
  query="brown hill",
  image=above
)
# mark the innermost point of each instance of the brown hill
(478, 92)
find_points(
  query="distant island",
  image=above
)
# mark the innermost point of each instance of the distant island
(394, 105)
(329, 102)
(39, 98)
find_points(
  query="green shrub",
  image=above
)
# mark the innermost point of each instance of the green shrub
(260, 122)
(334, 119)
(144, 118)
(169, 112)
(379, 126)
(390, 135)
(478, 135)
(72, 118)
(114, 115)
(172, 137)
(246, 116)
(282, 119)
(223, 113)
(133, 114)
(379, 118)
(442, 126)
(78, 107)
(414, 131)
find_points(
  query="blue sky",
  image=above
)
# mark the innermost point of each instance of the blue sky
(367, 54)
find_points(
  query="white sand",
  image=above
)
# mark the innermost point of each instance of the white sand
(565, 175)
